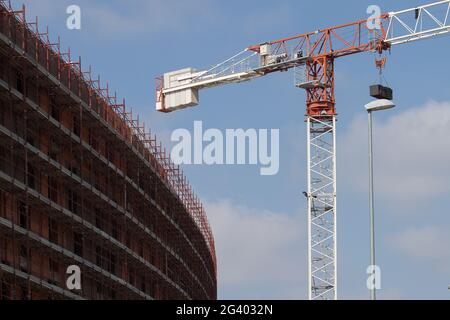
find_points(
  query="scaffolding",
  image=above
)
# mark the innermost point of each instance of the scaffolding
(82, 181)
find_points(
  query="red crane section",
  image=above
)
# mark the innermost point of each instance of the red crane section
(322, 47)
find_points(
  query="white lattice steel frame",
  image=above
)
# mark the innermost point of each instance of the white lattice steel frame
(418, 23)
(322, 253)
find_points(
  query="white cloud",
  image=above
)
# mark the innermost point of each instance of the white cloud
(261, 254)
(139, 17)
(131, 18)
(44, 10)
(382, 294)
(426, 244)
(412, 156)
(391, 294)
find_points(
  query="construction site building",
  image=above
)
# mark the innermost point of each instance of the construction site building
(83, 183)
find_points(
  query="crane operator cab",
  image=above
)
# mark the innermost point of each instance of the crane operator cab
(269, 59)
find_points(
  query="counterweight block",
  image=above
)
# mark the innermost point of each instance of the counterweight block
(380, 92)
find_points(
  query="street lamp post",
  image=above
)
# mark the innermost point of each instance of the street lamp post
(377, 105)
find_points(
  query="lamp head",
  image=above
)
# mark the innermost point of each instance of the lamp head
(379, 105)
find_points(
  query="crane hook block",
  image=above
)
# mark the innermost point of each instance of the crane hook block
(381, 92)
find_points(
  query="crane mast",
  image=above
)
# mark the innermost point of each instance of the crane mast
(313, 56)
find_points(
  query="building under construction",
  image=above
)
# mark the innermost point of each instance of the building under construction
(83, 183)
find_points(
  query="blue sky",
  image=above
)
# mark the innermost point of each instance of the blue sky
(260, 222)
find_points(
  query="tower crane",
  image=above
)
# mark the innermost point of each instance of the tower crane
(312, 56)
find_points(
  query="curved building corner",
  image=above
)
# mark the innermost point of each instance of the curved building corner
(84, 185)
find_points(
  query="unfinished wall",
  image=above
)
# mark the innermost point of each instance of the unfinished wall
(82, 183)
